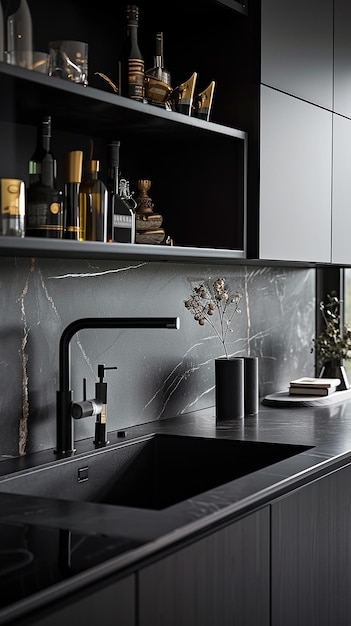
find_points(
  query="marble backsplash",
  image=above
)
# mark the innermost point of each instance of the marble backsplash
(161, 373)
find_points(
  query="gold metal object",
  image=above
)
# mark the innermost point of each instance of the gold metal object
(156, 91)
(148, 221)
(108, 81)
(144, 202)
(12, 207)
(73, 163)
(203, 102)
(182, 96)
(150, 236)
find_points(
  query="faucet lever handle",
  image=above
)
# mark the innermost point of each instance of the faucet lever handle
(102, 369)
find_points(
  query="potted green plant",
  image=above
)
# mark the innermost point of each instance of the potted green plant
(333, 345)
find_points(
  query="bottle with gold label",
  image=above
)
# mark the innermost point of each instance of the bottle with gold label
(131, 62)
(12, 207)
(73, 163)
(44, 200)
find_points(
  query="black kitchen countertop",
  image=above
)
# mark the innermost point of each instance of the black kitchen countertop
(52, 546)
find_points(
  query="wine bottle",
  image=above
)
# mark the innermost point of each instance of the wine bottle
(44, 200)
(73, 162)
(157, 78)
(92, 205)
(19, 34)
(121, 214)
(131, 63)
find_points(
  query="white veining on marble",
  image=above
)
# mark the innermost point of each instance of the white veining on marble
(99, 273)
(247, 303)
(276, 324)
(47, 295)
(84, 354)
(190, 405)
(174, 383)
(23, 423)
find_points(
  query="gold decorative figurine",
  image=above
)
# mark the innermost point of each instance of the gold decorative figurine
(148, 224)
(182, 96)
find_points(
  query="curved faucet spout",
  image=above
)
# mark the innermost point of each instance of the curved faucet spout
(64, 422)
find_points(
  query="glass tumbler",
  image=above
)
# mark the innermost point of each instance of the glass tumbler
(69, 60)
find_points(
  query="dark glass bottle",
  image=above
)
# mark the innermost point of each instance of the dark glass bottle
(92, 205)
(120, 212)
(44, 200)
(158, 78)
(131, 63)
(73, 177)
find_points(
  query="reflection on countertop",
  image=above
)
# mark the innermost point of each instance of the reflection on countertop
(57, 544)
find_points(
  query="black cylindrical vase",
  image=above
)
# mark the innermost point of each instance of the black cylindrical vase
(251, 385)
(229, 378)
(336, 369)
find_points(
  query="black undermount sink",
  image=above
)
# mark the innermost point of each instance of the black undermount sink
(153, 472)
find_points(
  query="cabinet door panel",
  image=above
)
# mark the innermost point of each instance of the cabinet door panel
(342, 57)
(111, 606)
(295, 179)
(222, 579)
(311, 554)
(297, 48)
(341, 201)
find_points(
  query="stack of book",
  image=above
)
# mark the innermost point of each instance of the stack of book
(313, 386)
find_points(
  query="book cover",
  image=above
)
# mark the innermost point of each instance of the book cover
(323, 383)
(312, 391)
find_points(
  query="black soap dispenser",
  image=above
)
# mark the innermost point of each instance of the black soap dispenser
(101, 418)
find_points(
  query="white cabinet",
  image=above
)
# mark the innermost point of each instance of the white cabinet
(341, 200)
(342, 57)
(295, 179)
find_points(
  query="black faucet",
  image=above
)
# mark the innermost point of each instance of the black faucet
(64, 420)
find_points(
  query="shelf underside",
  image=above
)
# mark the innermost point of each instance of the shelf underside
(52, 248)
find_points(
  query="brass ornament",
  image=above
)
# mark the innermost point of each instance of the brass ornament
(148, 224)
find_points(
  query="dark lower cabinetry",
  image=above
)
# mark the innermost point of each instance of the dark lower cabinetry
(110, 605)
(286, 564)
(222, 579)
(311, 554)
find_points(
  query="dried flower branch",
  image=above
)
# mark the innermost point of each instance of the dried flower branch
(331, 345)
(206, 300)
